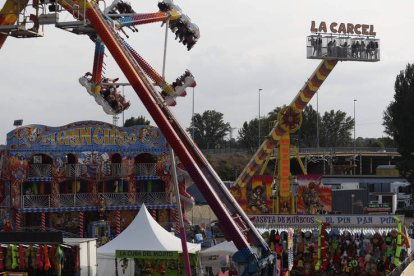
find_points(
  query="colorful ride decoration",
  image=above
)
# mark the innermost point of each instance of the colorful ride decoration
(62, 170)
(289, 119)
(313, 197)
(284, 200)
(255, 198)
(259, 195)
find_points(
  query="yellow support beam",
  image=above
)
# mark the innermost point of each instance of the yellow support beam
(302, 167)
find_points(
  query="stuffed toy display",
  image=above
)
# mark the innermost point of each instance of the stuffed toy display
(35, 259)
(348, 252)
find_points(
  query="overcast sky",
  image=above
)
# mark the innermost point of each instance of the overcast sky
(244, 46)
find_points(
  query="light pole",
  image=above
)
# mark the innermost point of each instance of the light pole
(192, 118)
(354, 140)
(259, 115)
(352, 203)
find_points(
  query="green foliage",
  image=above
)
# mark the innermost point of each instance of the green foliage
(335, 130)
(248, 134)
(398, 120)
(384, 142)
(387, 142)
(307, 132)
(139, 121)
(273, 114)
(209, 129)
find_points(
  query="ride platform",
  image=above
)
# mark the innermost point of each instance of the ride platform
(76, 27)
(344, 48)
(19, 31)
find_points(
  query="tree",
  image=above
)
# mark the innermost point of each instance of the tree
(139, 121)
(384, 142)
(369, 142)
(209, 129)
(307, 132)
(335, 130)
(248, 134)
(398, 120)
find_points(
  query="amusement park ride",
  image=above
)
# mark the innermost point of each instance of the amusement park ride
(25, 19)
(346, 42)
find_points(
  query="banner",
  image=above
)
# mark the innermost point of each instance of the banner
(156, 263)
(85, 136)
(259, 195)
(313, 196)
(256, 196)
(334, 220)
(239, 194)
(146, 254)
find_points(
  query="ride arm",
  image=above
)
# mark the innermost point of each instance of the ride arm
(9, 15)
(169, 91)
(281, 127)
(98, 62)
(148, 69)
(146, 18)
(219, 198)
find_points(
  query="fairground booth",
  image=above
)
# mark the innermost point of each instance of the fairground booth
(42, 253)
(87, 179)
(145, 248)
(309, 238)
(306, 244)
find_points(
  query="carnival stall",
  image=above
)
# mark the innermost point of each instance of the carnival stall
(344, 244)
(144, 248)
(37, 253)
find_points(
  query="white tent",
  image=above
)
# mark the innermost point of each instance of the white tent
(223, 248)
(217, 255)
(144, 233)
